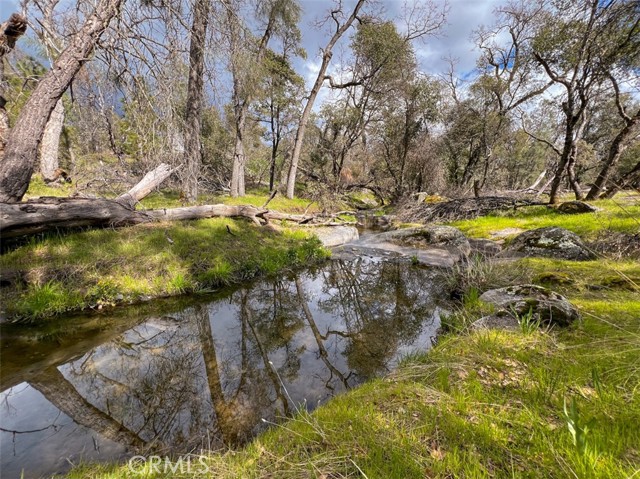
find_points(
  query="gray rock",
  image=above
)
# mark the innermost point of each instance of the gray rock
(545, 305)
(446, 237)
(573, 207)
(382, 222)
(485, 247)
(331, 236)
(550, 242)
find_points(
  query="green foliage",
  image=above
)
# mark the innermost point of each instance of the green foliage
(579, 429)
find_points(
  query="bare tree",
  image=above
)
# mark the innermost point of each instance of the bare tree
(10, 31)
(341, 27)
(579, 67)
(50, 37)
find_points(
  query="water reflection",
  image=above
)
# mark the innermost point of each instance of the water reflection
(207, 376)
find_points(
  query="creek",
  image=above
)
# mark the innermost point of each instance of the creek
(207, 373)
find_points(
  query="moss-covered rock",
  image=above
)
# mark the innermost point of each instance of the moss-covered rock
(575, 207)
(539, 303)
(549, 242)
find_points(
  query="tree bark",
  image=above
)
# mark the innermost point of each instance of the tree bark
(51, 142)
(10, 31)
(195, 99)
(22, 147)
(306, 113)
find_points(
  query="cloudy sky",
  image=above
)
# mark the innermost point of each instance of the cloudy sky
(454, 39)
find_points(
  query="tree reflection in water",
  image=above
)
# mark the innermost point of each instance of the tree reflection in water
(207, 376)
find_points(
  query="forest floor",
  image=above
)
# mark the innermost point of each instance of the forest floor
(527, 403)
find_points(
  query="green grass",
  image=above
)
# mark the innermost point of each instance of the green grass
(171, 199)
(532, 403)
(612, 215)
(37, 188)
(104, 267)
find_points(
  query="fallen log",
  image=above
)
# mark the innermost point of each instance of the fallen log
(51, 213)
(146, 185)
(45, 214)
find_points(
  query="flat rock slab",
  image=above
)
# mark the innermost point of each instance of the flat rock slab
(544, 305)
(549, 242)
(435, 257)
(331, 236)
(440, 246)
(446, 237)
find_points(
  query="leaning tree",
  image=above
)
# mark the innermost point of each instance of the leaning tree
(21, 150)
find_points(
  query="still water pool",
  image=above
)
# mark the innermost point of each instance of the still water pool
(208, 374)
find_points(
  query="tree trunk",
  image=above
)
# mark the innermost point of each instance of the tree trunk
(146, 185)
(60, 392)
(45, 214)
(237, 173)
(618, 145)
(562, 164)
(306, 113)
(51, 142)
(622, 181)
(10, 31)
(22, 147)
(195, 97)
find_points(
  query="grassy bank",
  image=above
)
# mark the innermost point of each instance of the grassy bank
(105, 267)
(618, 215)
(527, 403)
